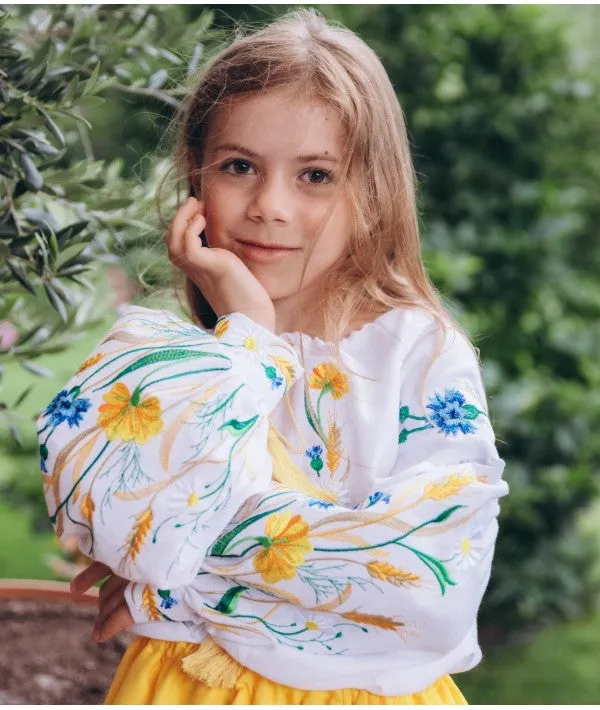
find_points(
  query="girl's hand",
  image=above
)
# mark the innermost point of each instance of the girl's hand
(225, 281)
(113, 612)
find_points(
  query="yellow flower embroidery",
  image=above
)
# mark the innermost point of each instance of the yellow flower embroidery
(328, 378)
(193, 498)
(129, 416)
(90, 361)
(286, 544)
(250, 343)
(221, 328)
(311, 626)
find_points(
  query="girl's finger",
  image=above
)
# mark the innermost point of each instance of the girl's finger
(114, 582)
(192, 241)
(109, 604)
(179, 224)
(90, 575)
(120, 619)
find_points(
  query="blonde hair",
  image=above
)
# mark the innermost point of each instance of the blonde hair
(383, 268)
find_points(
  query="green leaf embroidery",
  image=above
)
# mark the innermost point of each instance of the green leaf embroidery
(444, 515)
(223, 542)
(471, 411)
(237, 428)
(403, 436)
(404, 413)
(162, 356)
(229, 600)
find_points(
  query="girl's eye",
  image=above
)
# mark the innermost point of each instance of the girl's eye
(237, 167)
(317, 176)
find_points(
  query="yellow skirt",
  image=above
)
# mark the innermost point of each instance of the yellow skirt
(151, 673)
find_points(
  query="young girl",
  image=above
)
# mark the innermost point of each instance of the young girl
(294, 499)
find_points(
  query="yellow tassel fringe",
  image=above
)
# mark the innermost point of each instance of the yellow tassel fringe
(212, 666)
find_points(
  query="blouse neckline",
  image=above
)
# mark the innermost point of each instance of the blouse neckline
(351, 337)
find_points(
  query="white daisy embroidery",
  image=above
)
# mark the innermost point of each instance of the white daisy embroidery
(468, 550)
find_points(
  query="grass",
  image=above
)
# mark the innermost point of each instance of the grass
(559, 667)
(22, 551)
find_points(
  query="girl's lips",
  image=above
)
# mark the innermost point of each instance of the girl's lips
(255, 252)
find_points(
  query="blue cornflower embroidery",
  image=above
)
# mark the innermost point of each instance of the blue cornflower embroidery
(67, 407)
(316, 462)
(271, 373)
(377, 497)
(167, 601)
(450, 414)
(316, 503)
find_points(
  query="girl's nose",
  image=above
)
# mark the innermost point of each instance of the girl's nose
(271, 202)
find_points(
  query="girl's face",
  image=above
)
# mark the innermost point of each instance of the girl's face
(270, 178)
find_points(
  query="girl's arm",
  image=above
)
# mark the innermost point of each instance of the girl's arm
(155, 443)
(410, 562)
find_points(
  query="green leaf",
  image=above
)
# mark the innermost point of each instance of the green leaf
(446, 514)
(168, 355)
(219, 547)
(92, 81)
(229, 600)
(33, 177)
(35, 369)
(19, 273)
(90, 101)
(472, 411)
(56, 302)
(22, 396)
(69, 253)
(65, 235)
(53, 128)
(403, 436)
(237, 428)
(404, 413)
(69, 95)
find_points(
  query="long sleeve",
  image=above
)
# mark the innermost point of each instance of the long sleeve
(404, 569)
(154, 444)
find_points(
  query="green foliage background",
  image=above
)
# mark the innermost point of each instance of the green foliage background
(501, 104)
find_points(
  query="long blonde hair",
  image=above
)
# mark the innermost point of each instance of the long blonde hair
(383, 267)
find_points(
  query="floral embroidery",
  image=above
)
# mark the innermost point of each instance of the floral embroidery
(316, 503)
(271, 373)
(314, 454)
(328, 378)
(67, 407)
(286, 544)
(468, 550)
(129, 416)
(167, 601)
(451, 415)
(378, 497)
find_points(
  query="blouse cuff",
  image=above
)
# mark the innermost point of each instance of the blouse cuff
(147, 603)
(271, 365)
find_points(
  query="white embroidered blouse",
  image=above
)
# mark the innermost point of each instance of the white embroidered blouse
(331, 526)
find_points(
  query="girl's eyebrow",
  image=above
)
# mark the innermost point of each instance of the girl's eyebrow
(235, 147)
